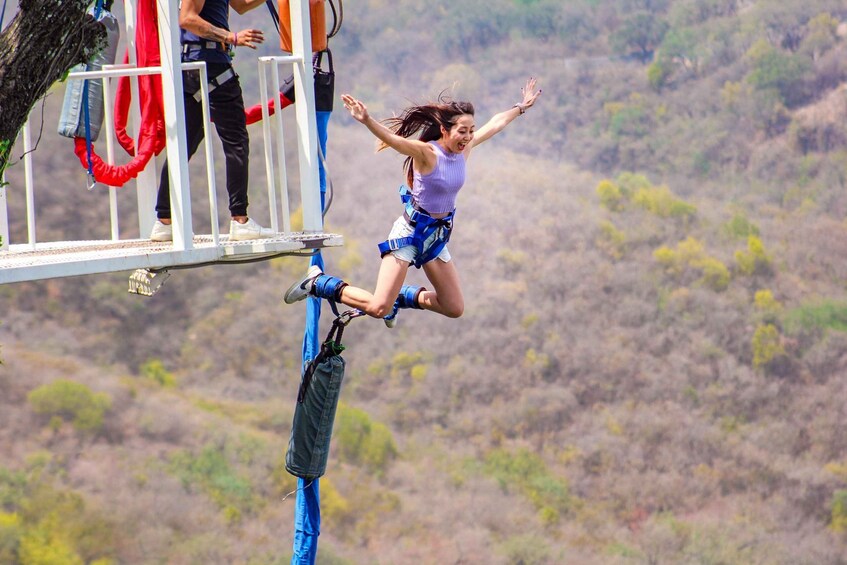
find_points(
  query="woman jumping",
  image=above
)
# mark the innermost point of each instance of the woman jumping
(435, 169)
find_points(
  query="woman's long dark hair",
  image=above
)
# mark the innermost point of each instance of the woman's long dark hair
(428, 119)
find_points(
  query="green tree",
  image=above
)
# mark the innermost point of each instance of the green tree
(821, 36)
(639, 35)
(71, 401)
(783, 72)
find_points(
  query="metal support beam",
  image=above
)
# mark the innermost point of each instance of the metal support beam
(301, 43)
(147, 181)
(175, 123)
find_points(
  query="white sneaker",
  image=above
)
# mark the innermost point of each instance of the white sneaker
(303, 288)
(162, 232)
(248, 230)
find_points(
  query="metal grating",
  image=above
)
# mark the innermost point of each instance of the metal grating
(72, 258)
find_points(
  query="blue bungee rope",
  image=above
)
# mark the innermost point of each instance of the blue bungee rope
(98, 9)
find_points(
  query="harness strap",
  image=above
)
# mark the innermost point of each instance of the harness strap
(425, 226)
(215, 82)
(191, 46)
(274, 14)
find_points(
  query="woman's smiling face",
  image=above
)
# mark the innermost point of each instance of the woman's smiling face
(460, 134)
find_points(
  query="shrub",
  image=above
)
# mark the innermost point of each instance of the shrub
(43, 546)
(362, 441)
(612, 240)
(822, 35)
(715, 274)
(629, 118)
(10, 534)
(766, 305)
(154, 370)
(839, 512)
(823, 315)
(767, 345)
(740, 227)
(691, 256)
(525, 548)
(526, 471)
(334, 507)
(212, 473)
(629, 183)
(662, 202)
(71, 401)
(657, 74)
(783, 72)
(754, 261)
(610, 196)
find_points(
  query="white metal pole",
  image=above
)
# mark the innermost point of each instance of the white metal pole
(4, 216)
(301, 40)
(30, 184)
(266, 134)
(280, 156)
(177, 148)
(108, 115)
(207, 146)
(147, 180)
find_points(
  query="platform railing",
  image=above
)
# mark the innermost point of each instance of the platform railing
(276, 183)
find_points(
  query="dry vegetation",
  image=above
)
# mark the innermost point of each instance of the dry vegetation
(650, 365)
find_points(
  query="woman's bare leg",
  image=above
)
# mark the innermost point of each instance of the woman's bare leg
(392, 273)
(446, 298)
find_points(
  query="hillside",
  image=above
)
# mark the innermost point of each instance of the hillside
(650, 367)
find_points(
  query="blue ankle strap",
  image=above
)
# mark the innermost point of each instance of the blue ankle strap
(408, 297)
(328, 287)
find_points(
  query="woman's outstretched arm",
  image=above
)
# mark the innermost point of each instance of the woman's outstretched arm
(499, 121)
(422, 153)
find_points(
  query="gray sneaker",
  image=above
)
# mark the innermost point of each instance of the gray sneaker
(248, 230)
(162, 232)
(303, 288)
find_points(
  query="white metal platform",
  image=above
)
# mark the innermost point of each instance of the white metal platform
(74, 258)
(36, 260)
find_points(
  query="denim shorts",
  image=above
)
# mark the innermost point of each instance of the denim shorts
(409, 253)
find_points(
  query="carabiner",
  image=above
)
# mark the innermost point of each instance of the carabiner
(348, 316)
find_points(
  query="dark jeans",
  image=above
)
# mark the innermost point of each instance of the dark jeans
(226, 107)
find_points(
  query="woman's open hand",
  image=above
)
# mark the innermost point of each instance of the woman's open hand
(529, 93)
(356, 108)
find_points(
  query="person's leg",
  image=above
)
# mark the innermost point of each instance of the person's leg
(446, 297)
(226, 106)
(194, 135)
(392, 273)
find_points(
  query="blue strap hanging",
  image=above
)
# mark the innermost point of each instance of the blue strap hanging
(307, 515)
(98, 9)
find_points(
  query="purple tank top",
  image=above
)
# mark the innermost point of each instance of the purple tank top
(436, 192)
